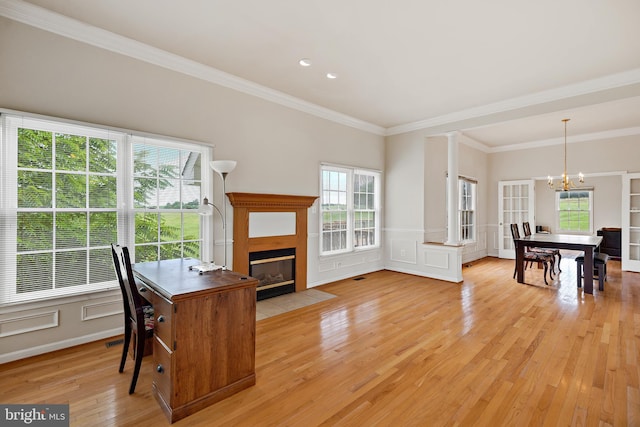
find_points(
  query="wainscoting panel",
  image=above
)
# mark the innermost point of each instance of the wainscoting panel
(102, 309)
(436, 259)
(403, 251)
(28, 323)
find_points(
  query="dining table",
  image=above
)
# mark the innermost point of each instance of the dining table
(585, 243)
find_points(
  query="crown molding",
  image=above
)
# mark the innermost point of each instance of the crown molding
(35, 16)
(585, 137)
(611, 81)
(56, 23)
(595, 136)
(473, 143)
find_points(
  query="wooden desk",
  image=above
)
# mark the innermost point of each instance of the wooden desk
(587, 244)
(204, 334)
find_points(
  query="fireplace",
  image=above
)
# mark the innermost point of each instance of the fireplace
(271, 223)
(275, 270)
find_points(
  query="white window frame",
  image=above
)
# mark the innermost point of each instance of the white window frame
(468, 218)
(589, 210)
(10, 122)
(459, 206)
(175, 145)
(348, 198)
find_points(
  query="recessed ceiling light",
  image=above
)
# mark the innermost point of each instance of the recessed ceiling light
(305, 62)
(332, 76)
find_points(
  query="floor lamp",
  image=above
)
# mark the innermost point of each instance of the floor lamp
(223, 168)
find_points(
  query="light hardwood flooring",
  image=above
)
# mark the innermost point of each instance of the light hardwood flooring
(398, 350)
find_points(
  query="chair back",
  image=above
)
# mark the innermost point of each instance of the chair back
(526, 229)
(133, 301)
(514, 232)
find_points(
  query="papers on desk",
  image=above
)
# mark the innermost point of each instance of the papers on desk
(205, 266)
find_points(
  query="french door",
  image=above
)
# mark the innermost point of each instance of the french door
(515, 206)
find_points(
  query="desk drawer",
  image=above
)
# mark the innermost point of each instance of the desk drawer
(163, 313)
(162, 369)
(145, 292)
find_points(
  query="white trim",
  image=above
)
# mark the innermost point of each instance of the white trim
(110, 129)
(470, 142)
(583, 88)
(47, 20)
(350, 172)
(86, 310)
(585, 137)
(59, 345)
(405, 230)
(58, 301)
(50, 319)
(590, 210)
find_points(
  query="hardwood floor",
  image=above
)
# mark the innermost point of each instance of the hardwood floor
(396, 349)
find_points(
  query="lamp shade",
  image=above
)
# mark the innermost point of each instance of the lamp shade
(223, 166)
(205, 208)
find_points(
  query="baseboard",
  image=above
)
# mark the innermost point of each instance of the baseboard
(59, 345)
(421, 273)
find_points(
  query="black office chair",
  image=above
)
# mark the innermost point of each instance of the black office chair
(138, 317)
(530, 256)
(526, 228)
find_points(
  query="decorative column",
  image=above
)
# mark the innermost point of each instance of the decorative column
(453, 226)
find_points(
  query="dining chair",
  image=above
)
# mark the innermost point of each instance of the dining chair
(138, 317)
(530, 256)
(526, 229)
(599, 268)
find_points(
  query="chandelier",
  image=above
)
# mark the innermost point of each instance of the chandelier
(566, 183)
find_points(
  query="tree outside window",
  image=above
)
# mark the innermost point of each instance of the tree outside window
(574, 211)
(349, 209)
(166, 196)
(66, 199)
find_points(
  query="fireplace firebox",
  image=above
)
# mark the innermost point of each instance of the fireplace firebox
(276, 271)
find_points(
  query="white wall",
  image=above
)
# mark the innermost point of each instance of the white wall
(404, 200)
(278, 150)
(472, 163)
(415, 206)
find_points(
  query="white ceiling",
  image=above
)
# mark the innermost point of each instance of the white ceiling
(504, 72)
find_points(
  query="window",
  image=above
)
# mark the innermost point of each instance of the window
(349, 208)
(166, 197)
(574, 209)
(467, 209)
(69, 191)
